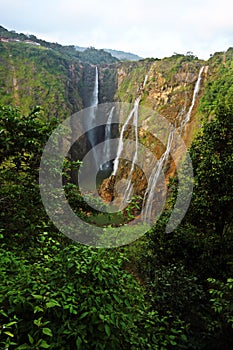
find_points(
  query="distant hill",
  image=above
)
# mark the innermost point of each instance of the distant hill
(80, 48)
(123, 56)
(120, 55)
(89, 55)
(94, 56)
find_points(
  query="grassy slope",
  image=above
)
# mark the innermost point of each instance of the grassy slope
(34, 75)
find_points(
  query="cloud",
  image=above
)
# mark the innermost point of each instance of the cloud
(149, 28)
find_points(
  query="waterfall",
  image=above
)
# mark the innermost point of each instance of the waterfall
(107, 138)
(195, 93)
(153, 180)
(145, 81)
(157, 171)
(91, 134)
(129, 188)
(95, 94)
(133, 112)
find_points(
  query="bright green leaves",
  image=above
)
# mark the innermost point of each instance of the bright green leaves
(62, 303)
(221, 298)
(212, 157)
(47, 331)
(107, 330)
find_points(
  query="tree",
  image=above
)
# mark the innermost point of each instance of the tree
(54, 293)
(177, 266)
(22, 139)
(211, 153)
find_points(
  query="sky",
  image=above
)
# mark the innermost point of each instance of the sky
(149, 28)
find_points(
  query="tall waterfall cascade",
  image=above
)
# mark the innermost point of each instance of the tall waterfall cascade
(145, 81)
(195, 94)
(107, 140)
(133, 113)
(91, 134)
(129, 188)
(95, 98)
(157, 175)
(157, 171)
(147, 206)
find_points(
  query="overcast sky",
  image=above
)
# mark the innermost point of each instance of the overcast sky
(149, 28)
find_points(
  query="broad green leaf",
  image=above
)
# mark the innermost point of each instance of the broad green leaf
(9, 333)
(44, 345)
(47, 331)
(107, 330)
(84, 315)
(30, 339)
(52, 303)
(78, 342)
(36, 296)
(10, 324)
(38, 309)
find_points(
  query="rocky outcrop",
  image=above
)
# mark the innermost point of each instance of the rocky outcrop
(167, 87)
(106, 189)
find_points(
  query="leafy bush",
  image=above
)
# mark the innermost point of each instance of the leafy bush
(69, 298)
(56, 294)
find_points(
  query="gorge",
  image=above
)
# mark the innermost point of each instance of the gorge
(102, 246)
(172, 87)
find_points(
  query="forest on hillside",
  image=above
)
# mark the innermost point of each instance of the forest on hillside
(165, 290)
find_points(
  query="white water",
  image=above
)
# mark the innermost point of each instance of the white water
(153, 180)
(107, 138)
(133, 113)
(129, 188)
(195, 93)
(155, 175)
(145, 81)
(94, 102)
(121, 139)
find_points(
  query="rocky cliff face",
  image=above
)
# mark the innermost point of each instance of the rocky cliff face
(63, 85)
(167, 87)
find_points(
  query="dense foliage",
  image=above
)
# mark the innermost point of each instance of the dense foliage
(94, 56)
(56, 294)
(189, 271)
(59, 295)
(40, 76)
(166, 291)
(89, 55)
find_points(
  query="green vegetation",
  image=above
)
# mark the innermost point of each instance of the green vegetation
(34, 75)
(165, 291)
(123, 56)
(94, 56)
(89, 55)
(220, 86)
(59, 78)
(54, 293)
(189, 271)
(133, 77)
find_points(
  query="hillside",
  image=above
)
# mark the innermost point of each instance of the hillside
(35, 75)
(167, 287)
(89, 55)
(123, 56)
(120, 55)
